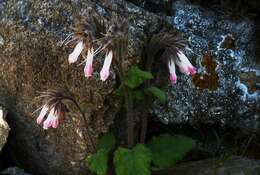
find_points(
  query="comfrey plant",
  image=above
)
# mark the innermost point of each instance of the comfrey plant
(87, 44)
(172, 46)
(91, 40)
(53, 111)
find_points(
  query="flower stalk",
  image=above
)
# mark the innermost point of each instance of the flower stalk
(56, 108)
(88, 132)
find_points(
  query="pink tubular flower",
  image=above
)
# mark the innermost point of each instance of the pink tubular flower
(51, 120)
(104, 73)
(88, 70)
(73, 57)
(42, 114)
(184, 64)
(173, 77)
(53, 111)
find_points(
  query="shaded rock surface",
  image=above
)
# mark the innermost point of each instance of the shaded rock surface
(14, 171)
(228, 166)
(31, 60)
(4, 128)
(226, 89)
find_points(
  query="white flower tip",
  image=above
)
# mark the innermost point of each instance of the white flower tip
(55, 123)
(73, 57)
(173, 78)
(39, 120)
(88, 70)
(192, 70)
(104, 75)
(46, 124)
(185, 70)
(42, 114)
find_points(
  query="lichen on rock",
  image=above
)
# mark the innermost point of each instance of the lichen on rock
(32, 61)
(225, 91)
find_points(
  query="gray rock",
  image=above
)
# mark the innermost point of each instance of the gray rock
(225, 89)
(1, 40)
(225, 166)
(4, 128)
(14, 171)
(31, 61)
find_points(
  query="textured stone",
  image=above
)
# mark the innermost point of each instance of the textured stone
(225, 166)
(32, 60)
(225, 91)
(14, 171)
(4, 128)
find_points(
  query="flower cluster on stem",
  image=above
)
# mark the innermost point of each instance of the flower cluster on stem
(172, 45)
(88, 45)
(184, 66)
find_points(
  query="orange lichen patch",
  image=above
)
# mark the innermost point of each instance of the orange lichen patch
(251, 80)
(228, 43)
(210, 79)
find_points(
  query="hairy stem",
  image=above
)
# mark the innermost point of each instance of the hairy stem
(147, 102)
(128, 107)
(144, 125)
(93, 147)
(130, 118)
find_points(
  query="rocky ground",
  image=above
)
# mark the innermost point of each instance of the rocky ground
(226, 90)
(32, 60)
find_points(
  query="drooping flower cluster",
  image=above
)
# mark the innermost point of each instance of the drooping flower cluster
(172, 46)
(89, 45)
(184, 66)
(53, 111)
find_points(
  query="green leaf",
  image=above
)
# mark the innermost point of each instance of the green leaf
(97, 162)
(132, 162)
(156, 92)
(133, 82)
(107, 142)
(167, 149)
(135, 77)
(140, 73)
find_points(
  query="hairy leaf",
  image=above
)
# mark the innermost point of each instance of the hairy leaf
(135, 77)
(107, 142)
(156, 92)
(167, 149)
(97, 162)
(132, 162)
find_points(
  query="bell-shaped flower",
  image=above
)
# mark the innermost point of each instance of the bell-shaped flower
(104, 73)
(73, 57)
(54, 110)
(42, 114)
(184, 64)
(173, 77)
(52, 120)
(88, 70)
